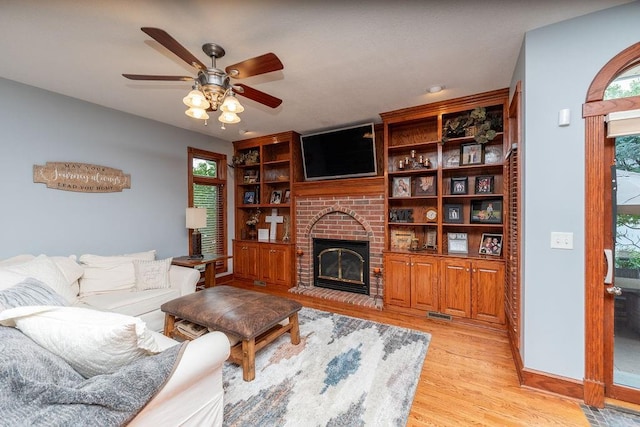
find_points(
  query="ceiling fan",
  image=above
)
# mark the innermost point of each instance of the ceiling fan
(212, 89)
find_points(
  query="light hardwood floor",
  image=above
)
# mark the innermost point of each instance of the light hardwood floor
(468, 377)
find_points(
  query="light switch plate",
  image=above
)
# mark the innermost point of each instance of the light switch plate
(561, 240)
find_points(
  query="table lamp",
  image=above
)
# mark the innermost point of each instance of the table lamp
(196, 218)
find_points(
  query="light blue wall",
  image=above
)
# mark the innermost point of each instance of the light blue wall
(39, 126)
(560, 62)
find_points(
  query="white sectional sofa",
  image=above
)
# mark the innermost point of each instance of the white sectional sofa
(137, 285)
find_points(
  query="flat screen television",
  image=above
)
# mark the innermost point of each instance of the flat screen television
(341, 153)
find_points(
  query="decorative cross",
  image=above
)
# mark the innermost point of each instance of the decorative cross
(274, 219)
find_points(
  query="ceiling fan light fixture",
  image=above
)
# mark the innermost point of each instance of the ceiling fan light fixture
(229, 117)
(231, 105)
(196, 99)
(197, 113)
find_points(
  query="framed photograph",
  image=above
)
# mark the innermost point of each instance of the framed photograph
(425, 186)
(276, 197)
(451, 159)
(493, 154)
(486, 211)
(287, 196)
(401, 187)
(491, 244)
(459, 185)
(453, 213)
(249, 197)
(471, 154)
(432, 236)
(484, 184)
(251, 176)
(457, 243)
(401, 239)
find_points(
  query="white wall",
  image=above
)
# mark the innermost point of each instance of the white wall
(558, 65)
(40, 126)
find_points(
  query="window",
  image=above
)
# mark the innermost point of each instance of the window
(207, 189)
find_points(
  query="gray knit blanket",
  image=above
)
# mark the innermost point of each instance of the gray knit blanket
(37, 388)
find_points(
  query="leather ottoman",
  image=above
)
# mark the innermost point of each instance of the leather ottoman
(253, 317)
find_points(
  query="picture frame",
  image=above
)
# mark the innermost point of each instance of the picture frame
(287, 196)
(453, 213)
(401, 187)
(484, 184)
(471, 154)
(251, 176)
(487, 211)
(431, 240)
(459, 185)
(401, 239)
(249, 198)
(457, 243)
(425, 186)
(276, 197)
(490, 244)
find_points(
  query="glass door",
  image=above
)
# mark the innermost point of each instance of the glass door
(625, 286)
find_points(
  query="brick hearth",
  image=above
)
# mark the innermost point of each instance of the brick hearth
(359, 217)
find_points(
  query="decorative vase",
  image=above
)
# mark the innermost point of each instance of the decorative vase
(253, 233)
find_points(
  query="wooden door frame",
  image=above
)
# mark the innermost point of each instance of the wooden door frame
(597, 215)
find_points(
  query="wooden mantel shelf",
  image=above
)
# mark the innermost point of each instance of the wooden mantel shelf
(353, 186)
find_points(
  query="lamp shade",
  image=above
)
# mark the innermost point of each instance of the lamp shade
(197, 113)
(196, 99)
(196, 218)
(229, 118)
(231, 105)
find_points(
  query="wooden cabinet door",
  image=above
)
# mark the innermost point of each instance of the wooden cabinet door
(245, 260)
(397, 280)
(275, 264)
(455, 287)
(487, 284)
(424, 283)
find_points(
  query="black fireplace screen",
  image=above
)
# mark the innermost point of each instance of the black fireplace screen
(342, 265)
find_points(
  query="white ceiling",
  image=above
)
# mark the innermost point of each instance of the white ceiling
(344, 61)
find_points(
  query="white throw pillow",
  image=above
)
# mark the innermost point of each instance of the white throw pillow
(92, 342)
(104, 274)
(152, 274)
(18, 259)
(41, 268)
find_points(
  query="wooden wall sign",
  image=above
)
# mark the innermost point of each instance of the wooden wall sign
(81, 177)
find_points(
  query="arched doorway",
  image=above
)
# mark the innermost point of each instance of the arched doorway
(599, 159)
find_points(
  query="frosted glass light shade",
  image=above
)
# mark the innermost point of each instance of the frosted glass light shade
(197, 113)
(196, 99)
(231, 105)
(196, 218)
(229, 118)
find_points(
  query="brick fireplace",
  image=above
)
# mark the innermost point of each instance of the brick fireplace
(357, 217)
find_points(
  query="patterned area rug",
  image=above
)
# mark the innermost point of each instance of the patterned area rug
(344, 372)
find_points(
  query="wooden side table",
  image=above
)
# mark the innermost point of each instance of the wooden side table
(209, 261)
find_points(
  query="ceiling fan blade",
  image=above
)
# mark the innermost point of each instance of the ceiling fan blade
(164, 78)
(258, 96)
(172, 44)
(252, 67)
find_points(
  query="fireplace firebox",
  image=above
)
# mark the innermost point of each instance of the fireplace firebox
(342, 265)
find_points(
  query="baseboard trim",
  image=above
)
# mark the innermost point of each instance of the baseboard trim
(553, 383)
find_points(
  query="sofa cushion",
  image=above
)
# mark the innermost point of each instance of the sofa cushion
(41, 268)
(18, 259)
(29, 292)
(92, 342)
(109, 273)
(152, 274)
(131, 303)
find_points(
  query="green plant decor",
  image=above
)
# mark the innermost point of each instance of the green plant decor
(483, 127)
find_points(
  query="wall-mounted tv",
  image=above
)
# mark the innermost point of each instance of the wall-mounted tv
(341, 153)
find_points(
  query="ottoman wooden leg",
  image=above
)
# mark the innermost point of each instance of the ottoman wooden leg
(169, 324)
(295, 329)
(249, 359)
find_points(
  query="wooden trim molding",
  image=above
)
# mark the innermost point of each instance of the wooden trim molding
(552, 383)
(608, 73)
